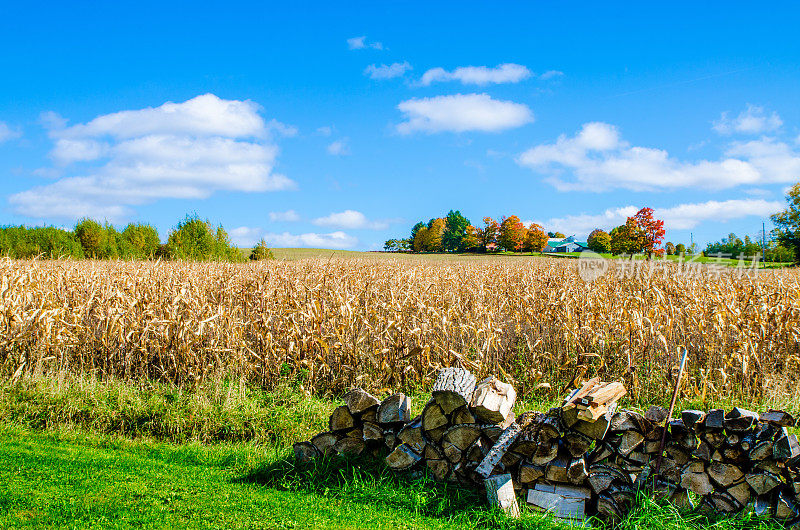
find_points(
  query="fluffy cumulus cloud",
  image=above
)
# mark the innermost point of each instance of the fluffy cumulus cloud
(596, 158)
(245, 236)
(387, 71)
(7, 133)
(752, 120)
(477, 75)
(183, 150)
(360, 43)
(339, 147)
(462, 113)
(289, 216)
(680, 217)
(350, 219)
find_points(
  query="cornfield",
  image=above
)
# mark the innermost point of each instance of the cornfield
(388, 323)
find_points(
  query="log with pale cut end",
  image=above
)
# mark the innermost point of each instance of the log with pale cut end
(777, 417)
(529, 473)
(499, 448)
(395, 409)
(402, 458)
(372, 432)
(697, 482)
(592, 412)
(412, 436)
(358, 400)
(622, 494)
(596, 430)
(581, 392)
(493, 400)
(601, 452)
(463, 415)
(608, 509)
(628, 420)
(556, 470)
(680, 499)
(452, 452)
(761, 450)
(305, 451)
(703, 451)
(433, 417)
(763, 482)
(544, 454)
(462, 436)
(324, 442)
(739, 419)
(724, 474)
(559, 500)
(349, 446)
(604, 394)
(715, 438)
(600, 480)
(630, 441)
(741, 492)
(500, 494)
(478, 451)
(453, 388)
(569, 416)
(341, 419)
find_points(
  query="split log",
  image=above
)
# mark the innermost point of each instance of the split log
(500, 494)
(453, 388)
(412, 436)
(715, 438)
(656, 414)
(358, 400)
(763, 506)
(394, 409)
(629, 420)
(544, 454)
(738, 420)
(463, 415)
(680, 499)
(324, 442)
(433, 417)
(372, 432)
(402, 458)
(577, 444)
(601, 452)
(777, 417)
(582, 392)
(786, 507)
(305, 451)
(350, 446)
(680, 456)
(630, 441)
(452, 452)
(556, 470)
(604, 394)
(341, 419)
(741, 492)
(786, 447)
(370, 414)
(595, 430)
(763, 482)
(714, 419)
(576, 471)
(724, 502)
(724, 474)
(592, 412)
(761, 451)
(703, 451)
(493, 400)
(529, 473)
(608, 509)
(566, 502)
(440, 469)
(695, 478)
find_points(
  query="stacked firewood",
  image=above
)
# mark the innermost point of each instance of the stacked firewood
(457, 427)
(734, 460)
(362, 424)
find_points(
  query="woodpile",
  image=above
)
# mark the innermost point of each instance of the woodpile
(586, 457)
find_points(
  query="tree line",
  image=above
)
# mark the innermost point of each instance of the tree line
(192, 238)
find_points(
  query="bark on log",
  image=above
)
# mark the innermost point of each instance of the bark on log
(358, 400)
(498, 450)
(739, 419)
(402, 458)
(786, 447)
(395, 409)
(453, 388)
(372, 432)
(777, 417)
(305, 451)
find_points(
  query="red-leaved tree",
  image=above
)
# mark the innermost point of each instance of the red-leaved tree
(652, 231)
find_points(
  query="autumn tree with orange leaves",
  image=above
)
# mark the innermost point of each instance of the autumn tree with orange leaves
(535, 239)
(651, 231)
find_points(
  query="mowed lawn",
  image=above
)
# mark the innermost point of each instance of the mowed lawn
(75, 481)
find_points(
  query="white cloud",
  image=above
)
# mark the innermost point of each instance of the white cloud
(359, 43)
(7, 133)
(247, 237)
(178, 150)
(461, 113)
(551, 74)
(387, 71)
(752, 120)
(597, 159)
(680, 217)
(351, 219)
(477, 75)
(325, 131)
(289, 216)
(339, 147)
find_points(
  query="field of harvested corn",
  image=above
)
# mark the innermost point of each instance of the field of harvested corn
(387, 323)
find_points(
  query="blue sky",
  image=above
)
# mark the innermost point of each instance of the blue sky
(343, 125)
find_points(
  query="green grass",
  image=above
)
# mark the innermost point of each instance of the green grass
(78, 453)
